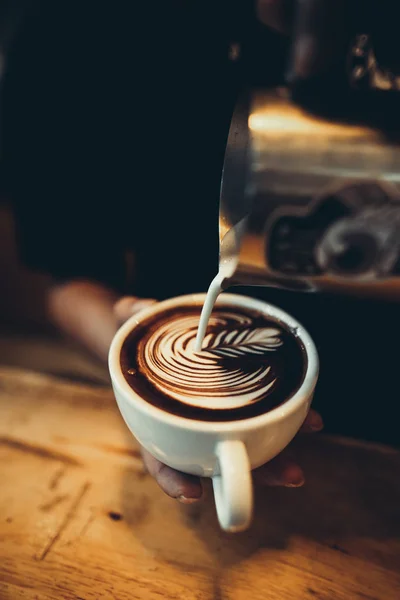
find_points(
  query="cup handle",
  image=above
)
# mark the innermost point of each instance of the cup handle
(233, 488)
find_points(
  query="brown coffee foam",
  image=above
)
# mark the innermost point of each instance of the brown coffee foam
(269, 371)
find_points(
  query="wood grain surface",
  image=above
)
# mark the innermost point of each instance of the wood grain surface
(80, 519)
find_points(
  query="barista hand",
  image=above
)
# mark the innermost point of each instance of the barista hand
(319, 31)
(281, 471)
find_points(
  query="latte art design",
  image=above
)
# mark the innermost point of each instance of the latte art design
(237, 366)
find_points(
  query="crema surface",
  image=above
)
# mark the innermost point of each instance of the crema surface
(249, 364)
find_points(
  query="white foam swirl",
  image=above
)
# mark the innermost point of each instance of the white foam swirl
(221, 376)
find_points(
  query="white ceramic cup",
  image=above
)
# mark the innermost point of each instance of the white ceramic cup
(224, 451)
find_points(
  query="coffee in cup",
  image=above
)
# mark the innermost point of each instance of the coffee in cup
(225, 410)
(249, 363)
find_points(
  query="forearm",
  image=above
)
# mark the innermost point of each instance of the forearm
(83, 310)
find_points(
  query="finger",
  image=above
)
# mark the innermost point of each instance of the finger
(312, 423)
(185, 488)
(130, 305)
(321, 33)
(277, 14)
(280, 471)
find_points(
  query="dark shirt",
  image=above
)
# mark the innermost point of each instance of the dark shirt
(114, 123)
(114, 133)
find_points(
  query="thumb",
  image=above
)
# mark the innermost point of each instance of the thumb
(130, 305)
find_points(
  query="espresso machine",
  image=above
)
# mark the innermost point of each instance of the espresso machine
(310, 194)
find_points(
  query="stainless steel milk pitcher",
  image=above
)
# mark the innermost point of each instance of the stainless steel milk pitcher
(308, 202)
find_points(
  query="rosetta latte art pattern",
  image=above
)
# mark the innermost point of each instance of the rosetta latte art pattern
(233, 370)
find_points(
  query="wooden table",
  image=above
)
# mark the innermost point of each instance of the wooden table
(80, 519)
